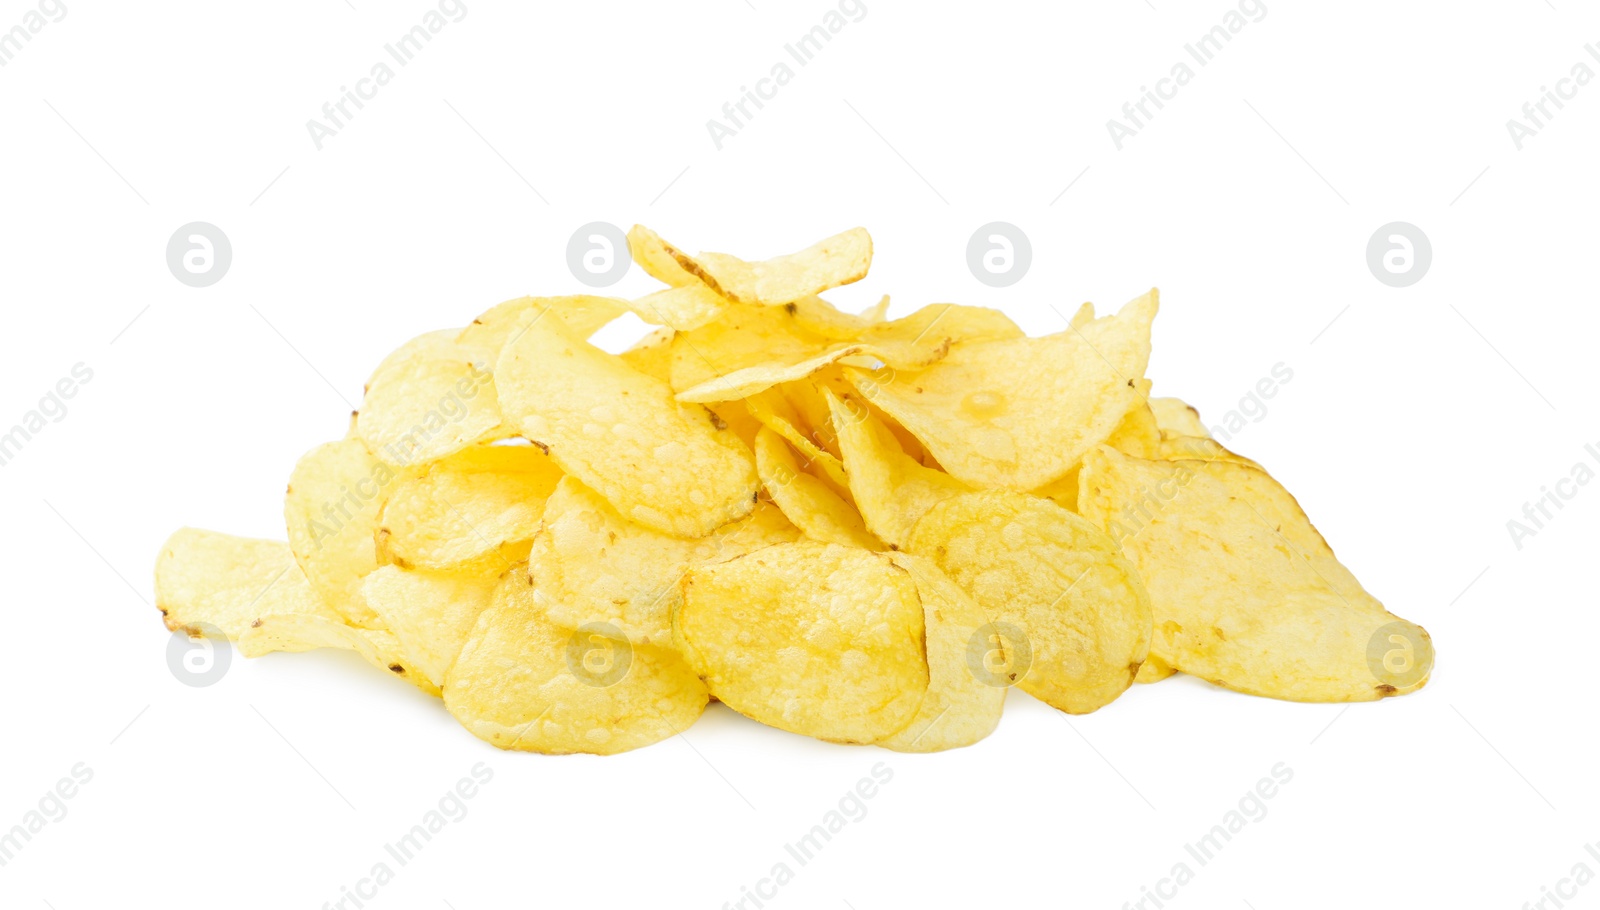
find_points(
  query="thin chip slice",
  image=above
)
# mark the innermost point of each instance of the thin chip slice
(746, 336)
(1246, 593)
(335, 496)
(1055, 582)
(296, 633)
(1202, 448)
(1137, 434)
(228, 582)
(463, 509)
(430, 612)
(592, 565)
(659, 259)
(663, 464)
(829, 263)
(774, 409)
(891, 489)
(1017, 414)
(432, 396)
(959, 709)
(652, 354)
(813, 638)
(524, 683)
(1154, 669)
(682, 308)
(583, 314)
(818, 511)
(945, 323)
(1175, 417)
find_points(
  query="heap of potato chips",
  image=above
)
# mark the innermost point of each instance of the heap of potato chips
(855, 528)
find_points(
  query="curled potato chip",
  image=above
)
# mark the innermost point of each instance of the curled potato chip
(591, 565)
(891, 489)
(229, 583)
(521, 682)
(683, 308)
(1203, 448)
(295, 633)
(1175, 417)
(959, 708)
(659, 259)
(774, 410)
(944, 324)
(335, 496)
(1067, 598)
(828, 263)
(432, 396)
(430, 612)
(583, 314)
(824, 319)
(652, 355)
(1246, 593)
(1019, 413)
(746, 336)
(818, 511)
(465, 507)
(662, 464)
(813, 638)
(1154, 669)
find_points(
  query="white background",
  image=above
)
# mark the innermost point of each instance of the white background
(1417, 423)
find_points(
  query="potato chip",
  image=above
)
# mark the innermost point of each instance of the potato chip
(1154, 669)
(652, 354)
(335, 496)
(813, 638)
(293, 632)
(464, 508)
(429, 611)
(592, 565)
(892, 491)
(662, 464)
(523, 683)
(774, 410)
(1066, 597)
(659, 259)
(822, 318)
(1246, 593)
(583, 314)
(1174, 417)
(959, 709)
(1019, 413)
(432, 396)
(829, 263)
(944, 324)
(746, 336)
(1203, 448)
(683, 308)
(230, 582)
(1136, 434)
(818, 511)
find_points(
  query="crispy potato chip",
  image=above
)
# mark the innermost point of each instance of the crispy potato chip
(1019, 413)
(959, 709)
(774, 410)
(583, 314)
(295, 633)
(1203, 448)
(652, 354)
(824, 319)
(523, 683)
(829, 263)
(746, 336)
(945, 324)
(1137, 434)
(892, 491)
(818, 511)
(1174, 417)
(659, 259)
(683, 308)
(662, 464)
(813, 638)
(590, 564)
(1083, 316)
(464, 508)
(1246, 593)
(1154, 669)
(430, 612)
(1056, 583)
(432, 396)
(335, 496)
(230, 582)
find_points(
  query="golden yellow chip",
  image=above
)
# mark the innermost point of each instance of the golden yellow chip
(582, 314)
(432, 396)
(659, 259)
(1246, 593)
(430, 612)
(294, 633)
(228, 582)
(662, 464)
(1154, 669)
(774, 410)
(818, 511)
(335, 496)
(652, 354)
(1174, 417)
(682, 308)
(891, 490)
(828, 263)
(463, 509)
(1017, 414)
(523, 683)
(959, 708)
(592, 565)
(1060, 594)
(813, 638)
(746, 336)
